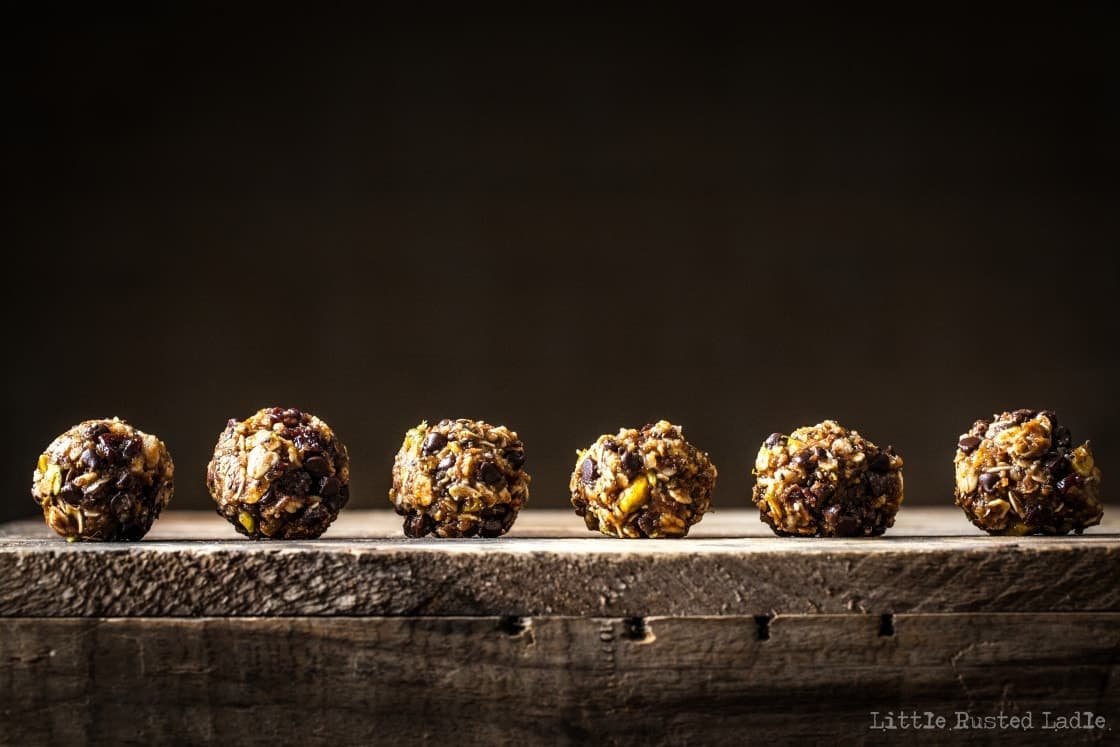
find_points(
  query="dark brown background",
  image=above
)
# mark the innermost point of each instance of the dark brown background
(564, 225)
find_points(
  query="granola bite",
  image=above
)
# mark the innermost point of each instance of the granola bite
(642, 483)
(281, 474)
(103, 480)
(459, 478)
(1019, 473)
(827, 481)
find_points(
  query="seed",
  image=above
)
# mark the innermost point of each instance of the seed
(433, 443)
(246, 520)
(968, 444)
(634, 496)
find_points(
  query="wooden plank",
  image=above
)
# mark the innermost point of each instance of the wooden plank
(550, 680)
(580, 576)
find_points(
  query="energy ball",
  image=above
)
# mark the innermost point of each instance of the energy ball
(1019, 473)
(827, 481)
(459, 478)
(642, 483)
(281, 474)
(103, 480)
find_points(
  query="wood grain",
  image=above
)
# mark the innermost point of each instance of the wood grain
(547, 680)
(583, 575)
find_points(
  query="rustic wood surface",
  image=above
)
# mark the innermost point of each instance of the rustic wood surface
(932, 562)
(711, 680)
(553, 635)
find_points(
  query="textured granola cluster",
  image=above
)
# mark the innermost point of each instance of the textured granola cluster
(643, 483)
(280, 474)
(827, 481)
(1019, 473)
(459, 478)
(103, 480)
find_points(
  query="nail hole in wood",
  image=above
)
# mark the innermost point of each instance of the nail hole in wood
(886, 626)
(637, 629)
(513, 625)
(763, 624)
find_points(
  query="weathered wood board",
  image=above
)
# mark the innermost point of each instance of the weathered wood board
(709, 680)
(555, 635)
(917, 568)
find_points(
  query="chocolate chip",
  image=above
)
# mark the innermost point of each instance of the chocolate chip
(631, 463)
(491, 528)
(989, 481)
(446, 463)
(1022, 416)
(1055, 463)
(89, 460)
(774, 439)
(839, 523)
(131, 532)
(317, 466)
(1062, 436)
(434, 442)
(489, 474)
(71, 493)
(968, 444)
(588, 472)
(329, 486)
(883, 483)
(418, 526)
(879, 463)
(515, 457)
(344, 491)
